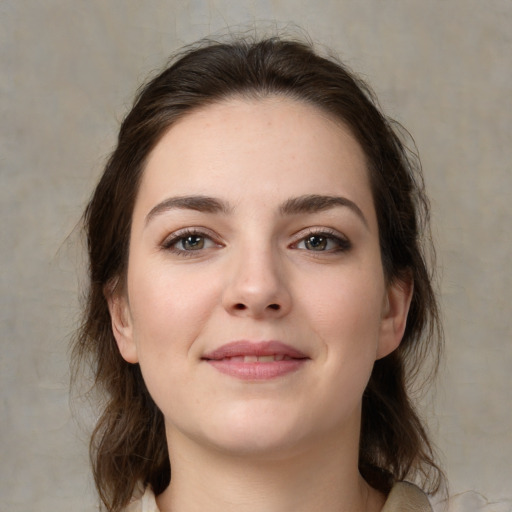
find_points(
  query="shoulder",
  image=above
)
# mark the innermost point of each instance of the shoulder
(144, 503)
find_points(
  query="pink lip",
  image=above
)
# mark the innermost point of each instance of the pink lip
(229, 359)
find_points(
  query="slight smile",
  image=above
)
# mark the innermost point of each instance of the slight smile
(248, 360)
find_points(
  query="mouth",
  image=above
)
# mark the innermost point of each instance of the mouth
(256, 360)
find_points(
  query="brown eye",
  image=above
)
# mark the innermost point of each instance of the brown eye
(323, 242)
(316, 243)
(192, 243)
(187, 242)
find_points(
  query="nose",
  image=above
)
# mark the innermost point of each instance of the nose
(257, 286)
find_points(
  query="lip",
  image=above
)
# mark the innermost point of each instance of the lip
(229, 359)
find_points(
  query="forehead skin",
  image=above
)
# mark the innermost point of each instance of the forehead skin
(199, 148)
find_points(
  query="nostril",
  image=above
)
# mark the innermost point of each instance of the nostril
(242, 307)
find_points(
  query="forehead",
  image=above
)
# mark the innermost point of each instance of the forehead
(275, 147)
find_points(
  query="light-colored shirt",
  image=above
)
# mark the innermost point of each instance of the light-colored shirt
(404, 497)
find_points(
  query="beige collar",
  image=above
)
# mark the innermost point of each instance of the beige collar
(406, 497)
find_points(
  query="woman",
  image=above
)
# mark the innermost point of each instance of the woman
(259, 297)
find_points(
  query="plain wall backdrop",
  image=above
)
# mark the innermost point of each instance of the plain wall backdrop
(68, 72)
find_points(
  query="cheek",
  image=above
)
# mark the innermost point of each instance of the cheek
(168, 310)
(346, 318)
(346, 306)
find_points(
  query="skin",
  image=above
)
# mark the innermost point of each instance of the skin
(279, 444)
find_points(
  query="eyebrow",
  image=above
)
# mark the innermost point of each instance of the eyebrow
(199, 203)
(303, 204)
(316, 203)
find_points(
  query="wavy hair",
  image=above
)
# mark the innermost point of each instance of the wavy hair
(128, 445)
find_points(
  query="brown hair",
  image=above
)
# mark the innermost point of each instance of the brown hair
(128, 444)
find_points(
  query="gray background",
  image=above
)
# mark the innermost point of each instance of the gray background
(68, 72)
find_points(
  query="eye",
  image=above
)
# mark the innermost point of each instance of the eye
(192, 243)
(317, 243)
(323, 242)
(188, 241)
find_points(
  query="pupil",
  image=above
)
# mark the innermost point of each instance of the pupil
(316, 243)
(193, 242)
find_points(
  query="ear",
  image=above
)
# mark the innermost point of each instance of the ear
(394, 315)
(122, 327)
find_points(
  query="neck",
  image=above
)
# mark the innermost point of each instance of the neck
(325, 478)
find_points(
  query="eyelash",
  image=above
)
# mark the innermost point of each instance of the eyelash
(170, 242)
(342, 243)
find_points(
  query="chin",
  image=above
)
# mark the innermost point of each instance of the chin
(257, 445)
(259, 432)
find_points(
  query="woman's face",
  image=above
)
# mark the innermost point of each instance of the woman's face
(255, 300)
